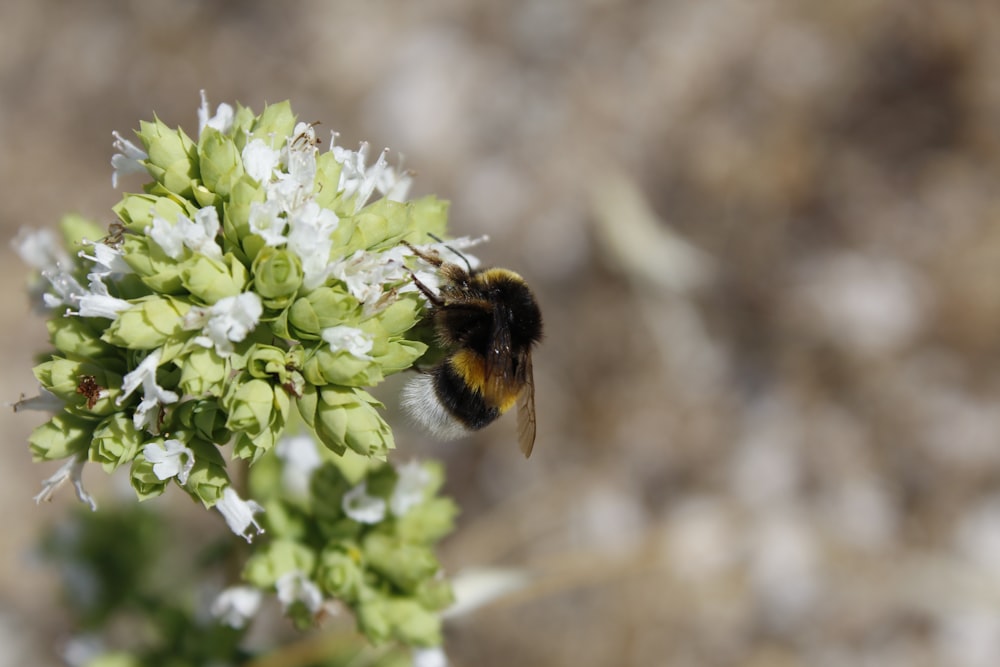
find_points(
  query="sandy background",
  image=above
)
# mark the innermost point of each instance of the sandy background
(766, 239)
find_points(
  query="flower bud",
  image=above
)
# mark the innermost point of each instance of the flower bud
(388, 617)
(87, 388)
(144, 481)
(148, 324)
(219, 161)
(268, 563)
(203, 372)
(405, 564)
(172, 155)
(277, 120)
(321, 309)
(277, 276)
(340, 573)
(116, 441)
(62, 436)
(346, 417)
(210, 280)
(208, 478)
(76, 336)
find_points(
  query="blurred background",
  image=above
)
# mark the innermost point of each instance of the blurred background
(766, 240)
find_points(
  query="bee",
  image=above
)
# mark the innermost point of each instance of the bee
(487, 320)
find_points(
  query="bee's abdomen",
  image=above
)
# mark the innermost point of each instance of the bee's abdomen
(465, 403)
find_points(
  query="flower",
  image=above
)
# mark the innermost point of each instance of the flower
(411, 485)
(72, 470)
(128, 158)
(238, 514)
(236, 605)
(227, 321)
(221, 121)
(153, 395)
(349, 339)
(295, 587)
(198, 235)
(170, 459)
(98, 302)
(361, 507)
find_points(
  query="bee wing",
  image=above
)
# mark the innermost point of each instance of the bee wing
(500, 369)
(526, 411)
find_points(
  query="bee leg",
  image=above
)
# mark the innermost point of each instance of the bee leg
(435, 300)
(433, 260)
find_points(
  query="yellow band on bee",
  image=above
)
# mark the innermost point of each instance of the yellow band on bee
(471, 367)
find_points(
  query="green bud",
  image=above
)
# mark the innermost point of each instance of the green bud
(321, 309)
(340, 574)
(383, 618)
(209, 279)
(257, 412)
(172, 156)
(116, 441)
(203, 419)
(428, 215)
(86, 388)
(144, 481)
(346, 417)
(61, 437)
(406, 565)
(235, 221)
(138, 210)
(281, 367)
(401, 315)
(203, 372)
(428, 522)
(277, 120)
(277, 276)
(78, 337)
(205, 197)
(219, 161)
(268, 563)
(327, 179)
(434, 594)
(208, 478)
(148, 324)
(400, 355)
(155, 268)
(341, 368)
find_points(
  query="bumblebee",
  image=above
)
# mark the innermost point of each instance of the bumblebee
(487, 321)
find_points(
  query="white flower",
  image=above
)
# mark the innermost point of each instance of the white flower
(153, 395)
(260, 160)
(98, 303)
(236, 605)
(350, 339)
(65, 288)
(198, 234)
(309, 238)
(170, 459)
(430, 657)
(361, 507)
(128, 159)
(229, 320)
(40, 249)
(238, 514)
(72, 470)
(367, 274)
(266, 221)
(294, 587)
(107, 260)
(46, 401)
(221, 121)
(411, 484)
(301, 459)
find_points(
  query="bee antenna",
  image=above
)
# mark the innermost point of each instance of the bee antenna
(464, 258)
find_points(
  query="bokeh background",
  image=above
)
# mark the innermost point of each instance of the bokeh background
(766, 239)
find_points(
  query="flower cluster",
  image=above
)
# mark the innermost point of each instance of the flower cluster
(256, 281)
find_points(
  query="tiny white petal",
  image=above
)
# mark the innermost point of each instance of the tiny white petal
(221, 121)
(238, 514)
(294, 587)
(46, 401)
(170, 459)
(72, 470)
(411, 484)
(229, 320)
(40, 249)
(430, 657)
(361, 507)
(235, 606)
(98, 303)
(301, 459)
(260, 160)
(350, 339)
(127, 159)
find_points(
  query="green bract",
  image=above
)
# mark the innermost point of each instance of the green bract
(255, 273)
